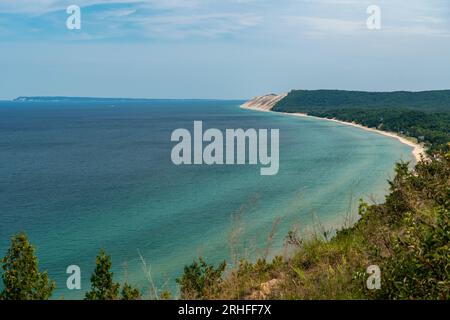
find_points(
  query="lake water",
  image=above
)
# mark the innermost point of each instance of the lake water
(80, 176)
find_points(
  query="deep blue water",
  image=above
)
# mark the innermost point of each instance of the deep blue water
(77, 177)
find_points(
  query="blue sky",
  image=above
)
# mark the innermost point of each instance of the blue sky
(221, 48)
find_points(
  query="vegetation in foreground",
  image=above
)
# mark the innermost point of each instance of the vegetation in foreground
(408, 237)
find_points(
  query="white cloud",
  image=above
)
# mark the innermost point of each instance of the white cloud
(214, 18)
(321, 26)
(44, 6)
(199, 25)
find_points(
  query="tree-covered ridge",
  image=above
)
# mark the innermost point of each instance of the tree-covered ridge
(422, 115)
(434, 101)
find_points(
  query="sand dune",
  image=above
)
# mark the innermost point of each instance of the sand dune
(264, 103)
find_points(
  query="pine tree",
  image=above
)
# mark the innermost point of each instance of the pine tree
(102, 284)
(130, 293)
(21, 277)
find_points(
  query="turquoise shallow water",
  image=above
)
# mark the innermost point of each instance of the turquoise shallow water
(78, 177)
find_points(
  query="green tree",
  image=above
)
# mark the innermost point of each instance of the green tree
(130, 293)
(201, 280)
(103, 286)
(21, 277)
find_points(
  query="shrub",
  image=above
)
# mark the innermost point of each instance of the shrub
(420, 265)
(200, 280)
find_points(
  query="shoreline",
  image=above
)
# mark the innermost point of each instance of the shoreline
(418, 150)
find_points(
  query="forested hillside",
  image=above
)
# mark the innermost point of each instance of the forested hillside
(422, 115)
(432, 101)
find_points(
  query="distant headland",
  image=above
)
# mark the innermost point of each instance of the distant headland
(94, 99)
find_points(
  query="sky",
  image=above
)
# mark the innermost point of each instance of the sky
(222, 49)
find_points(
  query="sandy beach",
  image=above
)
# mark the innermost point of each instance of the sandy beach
(418, 149)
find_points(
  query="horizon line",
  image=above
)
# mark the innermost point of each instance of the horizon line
(198, 99)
